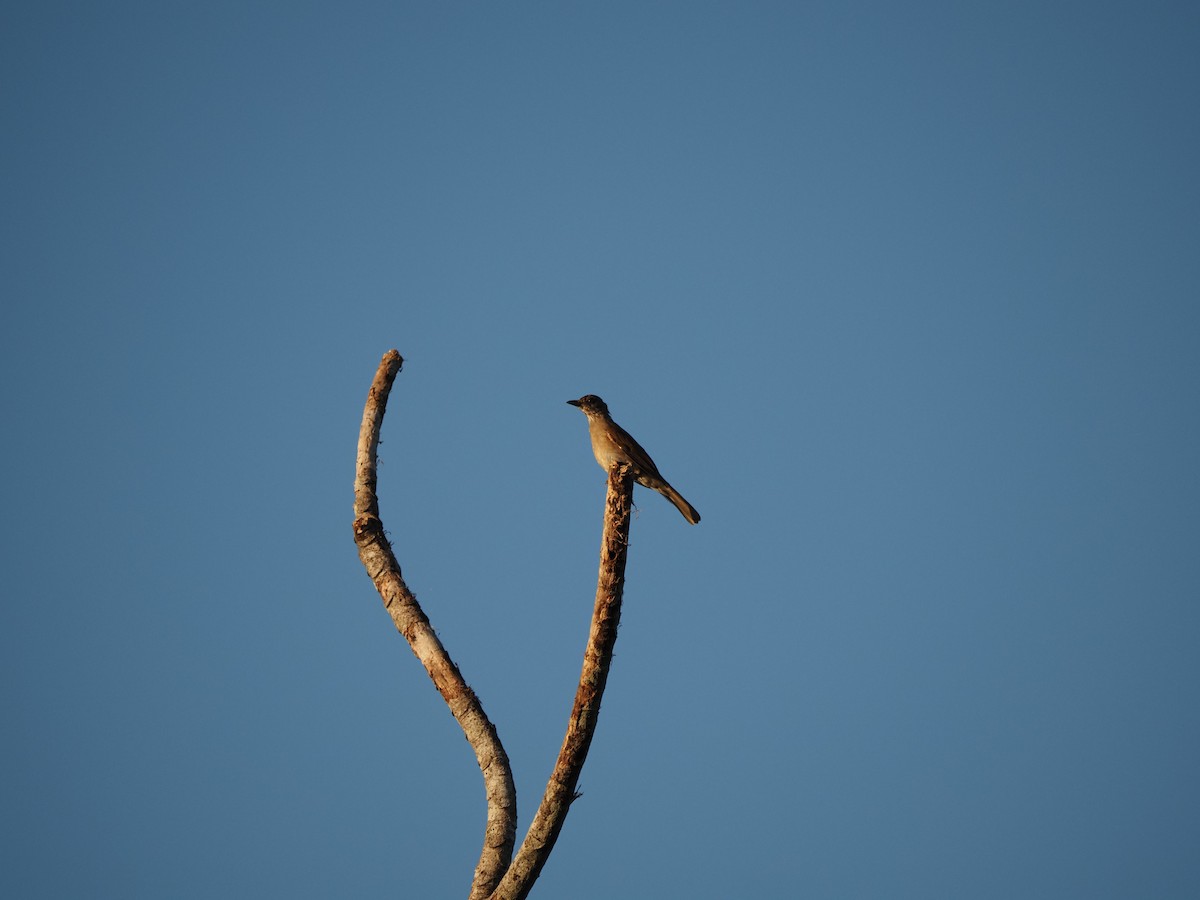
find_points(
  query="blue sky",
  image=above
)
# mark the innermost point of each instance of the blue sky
(904, 298)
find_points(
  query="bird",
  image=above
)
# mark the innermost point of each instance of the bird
(612, 444)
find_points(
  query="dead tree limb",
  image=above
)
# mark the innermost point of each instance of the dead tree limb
(597, 657)
(376, 554)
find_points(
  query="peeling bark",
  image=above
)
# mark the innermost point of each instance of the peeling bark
(597, 657)
(377, 557)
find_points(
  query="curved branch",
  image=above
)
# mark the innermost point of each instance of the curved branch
(380, 563)
(597, 657)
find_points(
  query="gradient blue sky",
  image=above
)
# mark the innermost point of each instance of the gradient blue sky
(905, 298)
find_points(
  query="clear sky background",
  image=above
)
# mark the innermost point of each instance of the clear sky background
(905, 298)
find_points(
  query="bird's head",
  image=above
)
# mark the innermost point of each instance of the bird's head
(591, 405)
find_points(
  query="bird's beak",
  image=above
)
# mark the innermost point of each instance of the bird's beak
(573, 402)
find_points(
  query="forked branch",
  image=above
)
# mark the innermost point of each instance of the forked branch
(495, 877)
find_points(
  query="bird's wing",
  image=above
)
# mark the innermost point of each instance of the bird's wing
(634, 450)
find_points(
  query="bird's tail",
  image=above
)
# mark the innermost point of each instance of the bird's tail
(689, 511)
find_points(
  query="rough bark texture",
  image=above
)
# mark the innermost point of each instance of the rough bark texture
(560, 791)
(380, 563)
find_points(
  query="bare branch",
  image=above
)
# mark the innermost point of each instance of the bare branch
(380, 563)
(597, 657)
